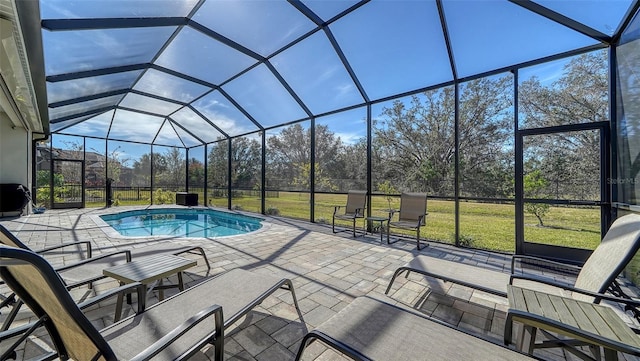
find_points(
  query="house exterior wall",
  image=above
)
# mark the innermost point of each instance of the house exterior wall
(15, 153)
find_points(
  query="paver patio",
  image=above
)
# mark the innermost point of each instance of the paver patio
(328, 271)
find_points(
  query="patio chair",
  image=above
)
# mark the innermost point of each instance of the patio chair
(370, 329)
(597, 275)
(89, 270)
(412, 214)
(164, 329)
(173, 329)
(355, 208)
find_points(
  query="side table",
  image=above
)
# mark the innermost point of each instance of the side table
(380, 220)
(584, 323)
(148, 270)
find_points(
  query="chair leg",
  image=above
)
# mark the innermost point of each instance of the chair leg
(418, 237)
(333, 224)
(354, 227)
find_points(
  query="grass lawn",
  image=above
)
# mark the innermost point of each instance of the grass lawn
(482, 225)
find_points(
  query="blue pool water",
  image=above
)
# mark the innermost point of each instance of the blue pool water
(181, 223)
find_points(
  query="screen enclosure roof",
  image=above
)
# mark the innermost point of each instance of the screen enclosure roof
(190, 72)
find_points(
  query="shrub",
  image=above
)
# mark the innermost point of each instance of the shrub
(163, 197)
(464, 240)
(272, 211)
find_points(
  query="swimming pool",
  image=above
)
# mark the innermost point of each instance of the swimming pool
(181, 223)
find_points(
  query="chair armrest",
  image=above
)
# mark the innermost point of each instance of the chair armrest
(335, 209)
(127, 254)
(169, 338)
(87, 243)
(542, 260)
(124, 289)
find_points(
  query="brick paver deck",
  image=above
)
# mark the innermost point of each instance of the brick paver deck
(328, 272)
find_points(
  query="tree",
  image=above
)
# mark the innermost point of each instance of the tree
(196, 173)
(352, 161)
(218, 166)
(115, 164)
(323, 182)
(571, 160)
(289, 158)
(245, 163)
(175, 174)
(142, 170)
(415, 141)
(534, 184)
(388, 189)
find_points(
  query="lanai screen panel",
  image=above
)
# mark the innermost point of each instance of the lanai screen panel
(603, 16)
(61, 126)
(167, 86)
(84, 50)
(329, 9)
(196, 125)
(58, 9)
(198, 55)
(89, 106)
(97, 126)
(394, 49)
(265, 97)
(90, 86)
(133, 126)
(501, 33)
(324, 74)
(261, 26)
(168, 135)
(219, 110)
(149, 105)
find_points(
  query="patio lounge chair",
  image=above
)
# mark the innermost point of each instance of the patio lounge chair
(412, 214)
(597, 275)
(89, 270)
(173, 329)
(369, 329)
(356, 203)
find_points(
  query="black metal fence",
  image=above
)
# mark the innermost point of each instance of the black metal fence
(141, 195)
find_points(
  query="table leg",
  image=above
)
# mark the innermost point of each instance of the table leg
(527, 339)
(118, 314)
(160, 290)
(610, 355)
(180, 282)
(129, 301)
(120, 299)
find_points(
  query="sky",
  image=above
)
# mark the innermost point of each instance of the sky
(392, 47)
